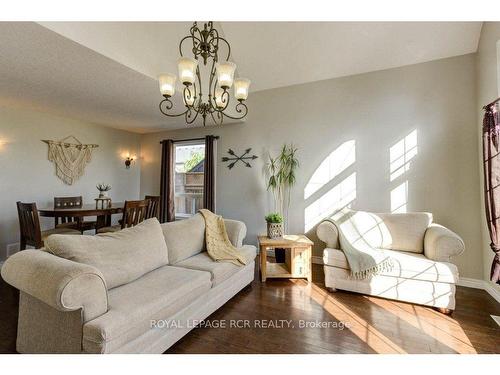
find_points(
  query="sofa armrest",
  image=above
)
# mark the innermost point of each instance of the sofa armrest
(60, 283)
(440, 243)
(236, 231)
(329, 234)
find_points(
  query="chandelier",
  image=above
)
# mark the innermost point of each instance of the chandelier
(205, 43)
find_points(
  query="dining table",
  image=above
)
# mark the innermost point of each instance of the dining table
(103, 214)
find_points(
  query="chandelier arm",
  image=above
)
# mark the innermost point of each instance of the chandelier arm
(214, 42)
(194, 39)
(227, 44)
(187, 95)
(240, 108)
(225, 100)
(195, 94)
(213, 102)
(168, 106)
(212, 86)
(188, 115)
(219, 120)
(198, 76)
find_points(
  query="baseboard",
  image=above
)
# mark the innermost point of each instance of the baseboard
(463, 281)
(493, 290)
(471, 283)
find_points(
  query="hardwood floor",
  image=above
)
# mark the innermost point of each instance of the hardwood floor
(375, 325)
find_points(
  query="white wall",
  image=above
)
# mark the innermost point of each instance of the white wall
(487, 90)
(375, 111)
(28, 176)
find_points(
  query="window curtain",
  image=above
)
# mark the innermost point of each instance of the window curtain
(209, 177)
(491, 166)
(167, 208)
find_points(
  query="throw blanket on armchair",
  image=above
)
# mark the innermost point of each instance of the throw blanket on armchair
(361, 236)
(219, 247)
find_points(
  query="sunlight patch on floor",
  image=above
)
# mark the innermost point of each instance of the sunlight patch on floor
(358, 326)
(447, 333)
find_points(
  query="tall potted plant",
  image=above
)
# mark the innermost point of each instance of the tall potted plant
(282, 177)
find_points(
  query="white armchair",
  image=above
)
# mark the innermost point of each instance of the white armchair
(421, 253)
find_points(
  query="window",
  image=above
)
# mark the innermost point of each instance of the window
(189, 176)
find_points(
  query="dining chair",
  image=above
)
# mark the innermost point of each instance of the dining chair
(76, 222)
(154, 206)
(29, 227)
(134, 212)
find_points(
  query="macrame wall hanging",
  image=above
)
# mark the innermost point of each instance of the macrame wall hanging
(69, 159)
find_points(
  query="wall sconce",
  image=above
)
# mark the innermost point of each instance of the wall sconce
(129, 161)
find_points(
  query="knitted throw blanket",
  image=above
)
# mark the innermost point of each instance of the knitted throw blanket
(219, 247)
(360, 240)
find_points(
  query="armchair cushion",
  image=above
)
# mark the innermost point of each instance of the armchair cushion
(406, 231)
(440, 243)
(403, 232)
(407, 265)
(122, 256)
(60, 283)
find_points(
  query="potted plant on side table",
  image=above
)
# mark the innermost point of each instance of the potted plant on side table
(274, 225)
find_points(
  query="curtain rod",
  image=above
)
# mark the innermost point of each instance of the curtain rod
(493, 102)
(191, 139)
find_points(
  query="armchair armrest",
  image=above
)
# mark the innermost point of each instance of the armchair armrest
(440, 243)
(329, 234)
(236, 231)
(60, 283)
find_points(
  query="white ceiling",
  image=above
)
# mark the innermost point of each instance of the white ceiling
(105, 72)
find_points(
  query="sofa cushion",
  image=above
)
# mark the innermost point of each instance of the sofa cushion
(406, 265)
(121, 257)
(184, 238)
(157, 295)
(220, 271)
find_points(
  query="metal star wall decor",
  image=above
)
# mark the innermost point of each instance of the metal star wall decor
(235, 158)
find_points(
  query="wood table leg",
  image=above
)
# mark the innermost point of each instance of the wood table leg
(263, 263)
(309, 276)
(100, 222)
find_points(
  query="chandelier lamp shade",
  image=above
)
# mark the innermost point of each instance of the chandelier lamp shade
(206, 47)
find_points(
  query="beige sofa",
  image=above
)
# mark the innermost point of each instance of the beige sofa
(421, 253)
(135, 291)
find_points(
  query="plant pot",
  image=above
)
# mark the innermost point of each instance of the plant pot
(274, 230)
(102, 194)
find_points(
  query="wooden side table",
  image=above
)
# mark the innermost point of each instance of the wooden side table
(298, 258)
